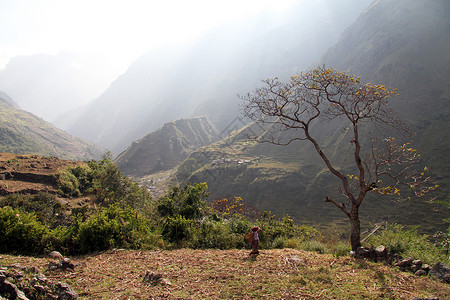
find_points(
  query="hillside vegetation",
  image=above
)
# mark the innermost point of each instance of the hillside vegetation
(92, 212)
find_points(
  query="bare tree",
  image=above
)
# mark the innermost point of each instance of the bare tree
(291, 110)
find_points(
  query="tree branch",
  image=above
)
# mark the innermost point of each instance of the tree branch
(341, 206)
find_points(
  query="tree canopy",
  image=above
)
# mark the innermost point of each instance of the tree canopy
(292, 110)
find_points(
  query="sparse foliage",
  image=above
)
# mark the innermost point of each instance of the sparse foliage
(292, 110)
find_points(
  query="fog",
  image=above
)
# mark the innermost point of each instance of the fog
(57, 55)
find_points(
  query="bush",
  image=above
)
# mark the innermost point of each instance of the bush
(44, 205)
(276, 233)
(239, 224)
(212, 234)
(20, 232)
(313, 246)
(341, 249)
(61, 239)
(67, 183)
(407, 243)
(116, 227)
(176, 229)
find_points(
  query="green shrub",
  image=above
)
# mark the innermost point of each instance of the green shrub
(293, 243)
(212, 234)
(176, 229)
(279, 242)
(239, 224)
(276, 233)
(116, 227)
(48, 210)
(407, 243)
(314, 246)
(341, 248)
(61, 239)
(20, 232)
(67, 183)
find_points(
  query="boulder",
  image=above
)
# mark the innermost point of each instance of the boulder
(404, 263)
(420, 273)
(417, 262)
(11, 291)
(426, 268)
(64, 291)
(441, 272)
(56, 255)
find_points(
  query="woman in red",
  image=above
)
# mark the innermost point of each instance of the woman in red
(255, 240)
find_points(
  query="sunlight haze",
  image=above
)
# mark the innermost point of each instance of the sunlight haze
(121, 30)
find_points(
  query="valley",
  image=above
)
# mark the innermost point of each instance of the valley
(175, 115)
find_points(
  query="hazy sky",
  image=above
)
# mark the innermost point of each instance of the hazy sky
(122, 30)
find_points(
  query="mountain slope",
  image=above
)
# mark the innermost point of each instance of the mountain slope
(407, 49)
(165, 148)
(203, 78)
(24, 133)
(293, 179)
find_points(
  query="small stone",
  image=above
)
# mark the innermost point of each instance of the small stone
(39, 288)
(415, 268)
(404, 263)
(296, 260)
(41, 277)
(151, 277)
(426, 267)
(67, 264)
(417, 262)
(420, 273)
(381, 251)
(65, 291)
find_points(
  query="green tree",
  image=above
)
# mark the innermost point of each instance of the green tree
(293, 110)
(187, 201)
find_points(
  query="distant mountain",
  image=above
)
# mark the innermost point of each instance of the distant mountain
(398, 43)
(24, 133)
(48, 85)
(203, 78)
(165, 148)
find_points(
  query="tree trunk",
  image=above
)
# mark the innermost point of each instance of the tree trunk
(355, 231)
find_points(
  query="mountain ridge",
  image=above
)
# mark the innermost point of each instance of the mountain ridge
(24, 133)
(166, 147)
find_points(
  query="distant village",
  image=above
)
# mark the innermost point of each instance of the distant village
(222, 161)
